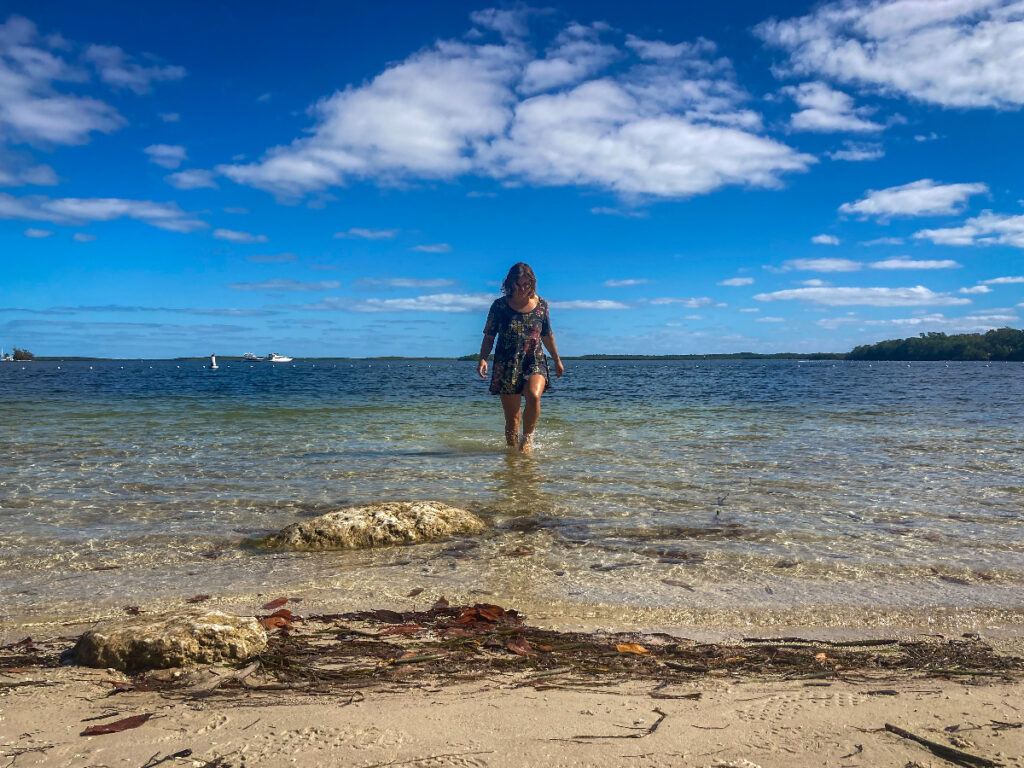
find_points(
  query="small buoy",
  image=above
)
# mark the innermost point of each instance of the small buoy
(213, 362)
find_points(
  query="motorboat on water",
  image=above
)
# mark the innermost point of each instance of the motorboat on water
(276, 358)
(251, 357)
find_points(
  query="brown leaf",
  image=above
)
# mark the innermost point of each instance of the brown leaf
(544, 647)
(441, 603)
(275, 603)
(117, 726)
(388, 617)
(285, 614)
(400, 629)
(631, 648)
(198, 599)
(274, 622)
(520, 646)
(414, 592)
(489, 612)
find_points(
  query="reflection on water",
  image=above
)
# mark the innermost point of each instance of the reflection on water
(770, 486)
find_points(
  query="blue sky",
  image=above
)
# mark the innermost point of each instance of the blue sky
(355, 179)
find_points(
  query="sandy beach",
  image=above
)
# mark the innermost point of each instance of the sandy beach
(728, 715)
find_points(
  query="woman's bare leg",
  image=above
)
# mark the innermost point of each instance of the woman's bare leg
(534, 389)
(510, 405)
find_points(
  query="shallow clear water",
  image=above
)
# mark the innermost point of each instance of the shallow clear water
(814, 489)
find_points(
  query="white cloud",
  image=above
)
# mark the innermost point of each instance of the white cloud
(602, 210)
(918, 198)
(406, 282)
(271, 258)
(976, 289)
(600, 304)
(435, 302)
(814, 283)
(77, 210)
(826, 110)
(917, 296)
(170, 117)
(735, 282)
(822, 265)
(192, 179)
(16, 171)
(286, 285)
(83, 237)
(31, 108)
(987, 229)
(367, 234)
(857, 152)
(37, 233)
(750, 310)
(509, 23)
(971, 323)
(576, 54)
(884, 241)
(433, 248)
(770, 319)
(625, 283)
(658, 50)
(825, 240)
(235, 236)
(956, 53)
(694, 302)
(673, 128)
(166, 155)
(117, 68)
(903, 263)
(1003, 281)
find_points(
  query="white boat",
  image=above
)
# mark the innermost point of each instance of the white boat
(276, 358)
(251, 357)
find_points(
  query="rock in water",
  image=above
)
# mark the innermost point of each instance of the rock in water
(171, 641)
(376, 525)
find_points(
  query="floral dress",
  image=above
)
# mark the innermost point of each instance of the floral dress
(518, 354)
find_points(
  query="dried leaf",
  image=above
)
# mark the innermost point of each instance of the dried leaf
(117, 726)
(198, 599)
(275, 603)
(414, 592)
(441, 603)
(400, 629)
(285, 614)
(388, 617)
(631, 648)
(490, 612)
(520, 646)
(274, 622)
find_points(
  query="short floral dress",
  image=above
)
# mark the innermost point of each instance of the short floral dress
(518, 354)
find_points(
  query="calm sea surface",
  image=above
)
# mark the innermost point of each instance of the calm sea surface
(827, 492)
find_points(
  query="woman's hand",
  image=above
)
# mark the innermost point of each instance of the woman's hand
(559, 368)
(481, 368)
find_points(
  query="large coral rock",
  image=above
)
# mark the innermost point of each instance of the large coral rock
(171, 641)
(376, 525)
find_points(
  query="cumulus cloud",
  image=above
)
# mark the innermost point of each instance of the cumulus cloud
(192, 179)
(599, 304)
(286, 286)
(658, 50)
(884, 241)
(16, 171)
(918, 198)
(936, 321)
(737, 281)
(987, 229)
(626, 282)
(83, 237)
(367, 234)
(917, 296)
(814, 282)
(166, 155)
(117, 68)
(826, 110)
(433, 248)
(858, 152)
(37, 233)
(1003, 281)
(955, 53)
(903, 263)
(976, 289)
(668, 126)
(78, 210)
(235, 236)
(825, 240)
(822, 265)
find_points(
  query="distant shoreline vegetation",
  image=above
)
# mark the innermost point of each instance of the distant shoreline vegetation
(1004, 344)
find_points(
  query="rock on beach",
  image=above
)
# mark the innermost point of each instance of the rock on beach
(171, 641)
(377, 525)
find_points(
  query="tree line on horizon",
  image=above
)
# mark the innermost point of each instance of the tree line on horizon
(1003, 344)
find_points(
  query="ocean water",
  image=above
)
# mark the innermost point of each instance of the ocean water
(676, 492)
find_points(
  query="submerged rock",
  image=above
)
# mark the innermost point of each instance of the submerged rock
(171, 641)
(376, 525)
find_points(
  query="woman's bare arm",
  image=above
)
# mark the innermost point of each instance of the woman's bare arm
(549, 342)
(485, 350)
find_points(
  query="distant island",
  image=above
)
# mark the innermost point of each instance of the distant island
(1004, 344)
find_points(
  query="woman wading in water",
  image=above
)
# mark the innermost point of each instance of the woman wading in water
(521, 322)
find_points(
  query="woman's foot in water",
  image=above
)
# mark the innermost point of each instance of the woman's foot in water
(526, 443)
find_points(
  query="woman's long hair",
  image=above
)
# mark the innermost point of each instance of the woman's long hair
(521, 271)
